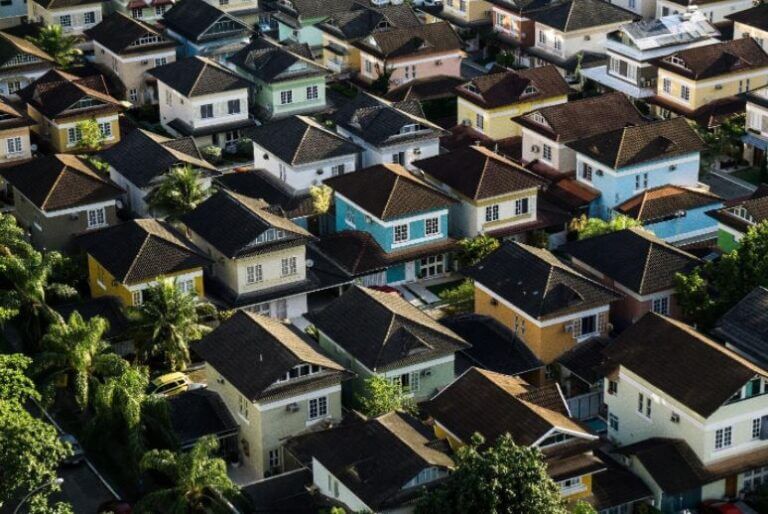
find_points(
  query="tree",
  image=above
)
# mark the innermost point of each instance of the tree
(63, 48)
(76, 350)
(382, 396)
(166, 322)
(322, 197)
(477, 248)
(502, 479)
(583, 507)
(15, 384)
(591, 227)
(459, 298)
(198, 481)
(381, 84)
(178, 193)
(91, 136)
(725, 141)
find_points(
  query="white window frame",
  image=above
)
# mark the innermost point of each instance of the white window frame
(661, 305)
(401, 233)
(254, 274)
(96, 218)
(286, 97)
(317, 408)
(313, 93)
(723, 438)
(432, 227)
(137, 297)
(288, 266)
(68, 19)
(492, 213)
(14, 145)
(522, 206)
(546, 152)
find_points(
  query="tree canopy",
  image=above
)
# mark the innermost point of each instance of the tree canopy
(179, 192)
(63, 48)
(591, 227)
(382, 396)
(475, 249)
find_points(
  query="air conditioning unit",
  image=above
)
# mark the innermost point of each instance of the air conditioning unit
(438, 62)
(672, 167)
(718, 86)
(144, 62)
(309, 263)
(535, 148)
(569, 328)
(466, 122)
(417, 151)
(426, 373)
(292, 407)
(587, 37)
(599, 173)
(74, 216)
(220, 381)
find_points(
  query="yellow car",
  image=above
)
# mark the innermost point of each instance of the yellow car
(171, 384)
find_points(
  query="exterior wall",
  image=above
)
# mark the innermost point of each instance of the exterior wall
(694, 223)
(11, 14)
(308, 33)
(727, 238)
(330, 486)
(26, 149)
(563, 158)
(268, 97)
(703, 92)
(131, 69)
(413, 151)
(513, 26)
(572, 43)
(147, 14)
(340, 63)
(55, 132)
(473, 10)
(742, 30)
(20, 78)
(174, 105)
(405, 69)
(645, 8)
(497, 123)
(301, 177)
(715, 11)
(77, 15)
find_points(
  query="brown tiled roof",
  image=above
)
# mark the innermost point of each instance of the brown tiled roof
(665, 201)
(11, 45)
(60, 181)
(575, 15)
(431, 38)
(572, 194)
(508, 87)
(56, 91)
(423, 89)
(671, 463)
(198, 76)
(756, 206)
(679, 361)
(755, 17)
(638, 144)
(708, 61)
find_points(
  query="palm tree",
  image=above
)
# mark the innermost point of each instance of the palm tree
(52, 40)
(166, 322)
(77, 351)
(178, 193)
(199, 481)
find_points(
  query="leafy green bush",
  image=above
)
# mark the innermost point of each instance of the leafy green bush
(211, 153)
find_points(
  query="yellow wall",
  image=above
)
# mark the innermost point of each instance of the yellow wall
(476, 10)
(351, 60)
(49, 129)
(498, 123)
(703, 92)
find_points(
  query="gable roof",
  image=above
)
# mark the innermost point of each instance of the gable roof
(11, 46)
(680, 361)
(308, 9)
(708, 61)
(537, 282)
(252, 219)
(198, 76)
(575, 15)
(62, 4)
(643, 143)
(57, 91)
(141, 250)
(10, 117)
(745, 326)
(635, 258)
(753, 17)
(432, 38)
(389, 191)
(583, 118)
(261, 184)
(200, 412)
(755, 206)
(271, 62)
(60, 181)
(396, 333)
(670, 462)
(361, 20)
(665, 202)
(142, 156)
(252, 352)
(478, 173)
(298, 140)
(508, 87)
(118, 32)
(192, 18)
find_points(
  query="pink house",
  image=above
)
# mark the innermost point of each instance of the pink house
(411, 53)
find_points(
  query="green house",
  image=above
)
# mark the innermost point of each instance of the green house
(734, 220)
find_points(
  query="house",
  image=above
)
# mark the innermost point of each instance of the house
(756, 124)
(13, 14)
(744, 328)
(58, 101)
(717, 11)
(298, 20)
(248, 11)
(579, 373)
(686, 412)
(409, 53)
(287, 492)
(274, 381)
(352, 463)
(753, 23)
(547, 131)
(639, 265)
(74, 16)
(388, 132)
(197, 413)
(127, 259)
(343, 28)
(736, 218)
(469, 18)
(202, 99)
(283, 82)
(513, 22)
(15, 144)
(58, 196)
(142, 159)
(204, 30)
(374, 333)
(489, 102)
(301, 152)
(406, 218)
(676, 214)
(264, 266)
(126, 49)
(22, 63)
(633, 49)
(549, 305)
(627, 161)
(149, 11)
(495, 196)
(689, 82)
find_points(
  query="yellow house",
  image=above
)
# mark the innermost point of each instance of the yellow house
(58, 101)
(751, 23)
(127, 259)
(549, 306)
(489, 102)
(688, 81)
(466, 12)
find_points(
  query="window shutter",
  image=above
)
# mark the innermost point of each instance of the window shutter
(601, 321)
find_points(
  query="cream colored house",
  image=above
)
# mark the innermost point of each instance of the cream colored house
(74, 17)
(717, 11)
(751, 23)
(14, 135)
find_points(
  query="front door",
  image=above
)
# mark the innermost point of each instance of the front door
(730, 486)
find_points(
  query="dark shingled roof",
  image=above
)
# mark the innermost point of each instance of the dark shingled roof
(397, 333)
(270, 62)
(61, 181)
(671, 356)
(361, 20)
(583, 118)
(426, 88)
(389, 191)
(192, 18)
(635, 258)
(756, 206)
(636, 145)
(745, 326)
(432, 38)
(509, 405)
(63, 4)
(586, 360)
(198, 76)
(307, 9)
(56, 91)
(478, 173)
(755, 17)
(260, 184)
(708, 61)
(616, 486)
(11, 46)
(141, 250)
(575, 15)
(198, 413)
(298, 140)
(537, 282)
(664, 202)
(107, 307)
(252, 352)
(670, 462)
(375, 458)
(251, 217)
(118, 32)
(508, 87)
(287, 492)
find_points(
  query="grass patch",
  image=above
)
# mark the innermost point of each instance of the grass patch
(439, 288)
(751, 175)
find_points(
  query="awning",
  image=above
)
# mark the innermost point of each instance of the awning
(754, 140)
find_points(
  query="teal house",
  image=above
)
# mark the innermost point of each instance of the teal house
(297, 19)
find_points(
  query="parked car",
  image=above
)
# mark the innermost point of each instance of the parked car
(172, 384)
(78, 455)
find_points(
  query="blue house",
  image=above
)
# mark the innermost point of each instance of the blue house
(297, 19)
(675, 214)
(623, 163)
(202, 29)
(391, 227)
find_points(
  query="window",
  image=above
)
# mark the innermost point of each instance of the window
(479, 122)
(542, 38)
(233, 106)
(137, 13)
(432, 266)
(106, 130)
(521, 206)
(613, 387)
(13, 86)
(318, 407)
(312, 93)
(186, 286)
(96, 218)
(137, 297)
(588, 325)
(133, 94)
(74, 135)
(410, 72)
(401, 233)
(641, 181)
(723, 438)
(756, 424)
(286, 97)
(570, 486)
(288, 266)
(223, 2)
(160, 10)
(65, 21)
(398, 158)
(161, 61)
(410, 382)
(13, 145)
(492, 213)
(632, 4)
(558, 43)
(666, 85)
(685, 92)
(613, 422)
(254, 274)
(754, 478)
(206, 111)
(242, 406)
(640, 402)
(274, 459)
(168, 97)
(463, 5)
(89, 18)
(368, 67)
(546, 152)
(337, 170)
(586, 172)
(661, 306)
(431, 226)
